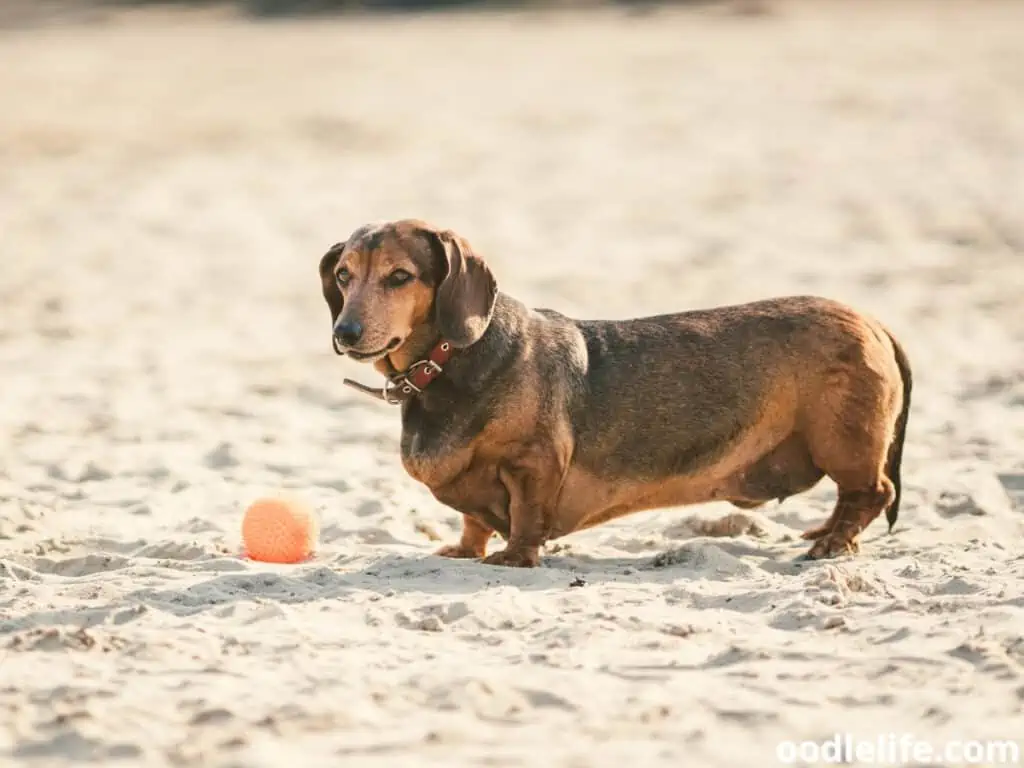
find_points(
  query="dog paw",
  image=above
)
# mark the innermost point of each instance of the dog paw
(833, 545)
(816, 533)
(458, 551)
(514, 558)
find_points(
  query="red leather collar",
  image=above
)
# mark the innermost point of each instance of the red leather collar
(405, 385)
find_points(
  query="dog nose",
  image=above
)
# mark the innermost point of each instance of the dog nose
(349, 332)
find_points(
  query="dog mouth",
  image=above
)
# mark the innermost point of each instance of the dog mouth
(392, 345)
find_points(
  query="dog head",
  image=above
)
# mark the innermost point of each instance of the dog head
(389, 281)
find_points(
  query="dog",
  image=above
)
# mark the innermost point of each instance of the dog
(534, 425)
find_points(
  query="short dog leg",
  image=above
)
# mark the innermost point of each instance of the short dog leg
(473, 543)
(855, 511)
(529, 500)
(824, 528)
(849, 431)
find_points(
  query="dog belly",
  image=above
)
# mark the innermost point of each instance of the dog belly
(785, 471)
(588, 499)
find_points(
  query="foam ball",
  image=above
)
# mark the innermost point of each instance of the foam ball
(279, 530)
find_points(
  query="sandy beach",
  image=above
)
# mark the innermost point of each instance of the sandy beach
(168, 182)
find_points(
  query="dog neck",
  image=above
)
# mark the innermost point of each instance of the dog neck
(472, 370)
(427, 358)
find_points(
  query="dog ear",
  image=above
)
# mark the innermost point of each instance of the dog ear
(329, 286)
(464, 300)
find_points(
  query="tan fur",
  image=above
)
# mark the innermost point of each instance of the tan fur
(542, 425)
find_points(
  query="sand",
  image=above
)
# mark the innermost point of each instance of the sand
(168, 182)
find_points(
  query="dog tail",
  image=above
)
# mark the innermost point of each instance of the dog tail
(895, 458)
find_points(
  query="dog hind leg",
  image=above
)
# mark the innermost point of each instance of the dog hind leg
(850, 433)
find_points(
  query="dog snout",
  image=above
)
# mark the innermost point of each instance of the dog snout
(348, 332)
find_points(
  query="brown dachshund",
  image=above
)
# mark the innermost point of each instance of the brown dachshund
(534, 425)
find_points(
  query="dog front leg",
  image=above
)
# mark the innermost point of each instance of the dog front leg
(532, 492)
(473, 543)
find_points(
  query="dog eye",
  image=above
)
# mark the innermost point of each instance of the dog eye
(399, 277)
(343, 276)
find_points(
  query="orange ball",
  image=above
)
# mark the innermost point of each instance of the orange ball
(277, 530)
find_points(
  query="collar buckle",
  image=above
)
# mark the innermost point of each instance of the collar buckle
(400, 387)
